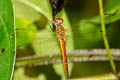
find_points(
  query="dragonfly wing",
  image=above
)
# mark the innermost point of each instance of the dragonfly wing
(84, 36)
(46, 43)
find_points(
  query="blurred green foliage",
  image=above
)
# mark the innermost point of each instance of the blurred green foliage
(82, 22)
(25, 32)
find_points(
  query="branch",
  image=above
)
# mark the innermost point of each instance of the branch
(88, 59)
(74, 56)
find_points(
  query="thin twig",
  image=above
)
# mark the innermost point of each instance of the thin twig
(94, 52)
(72, 60)
(104, 35)
(73, 56)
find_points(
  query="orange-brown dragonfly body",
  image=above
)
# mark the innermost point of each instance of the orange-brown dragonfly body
(60, 32)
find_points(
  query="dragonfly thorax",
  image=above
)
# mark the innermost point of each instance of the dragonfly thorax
(60, 31)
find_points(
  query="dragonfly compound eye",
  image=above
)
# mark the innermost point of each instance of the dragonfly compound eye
(58, 20)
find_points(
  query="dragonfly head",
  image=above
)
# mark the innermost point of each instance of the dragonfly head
(58, 21)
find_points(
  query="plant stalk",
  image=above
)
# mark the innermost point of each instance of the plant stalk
(105, 37)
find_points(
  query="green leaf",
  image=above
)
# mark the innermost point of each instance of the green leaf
(112, 12)
(7, 40)
(39, 6)
(111, 6)
(34, 10)
(24, 11)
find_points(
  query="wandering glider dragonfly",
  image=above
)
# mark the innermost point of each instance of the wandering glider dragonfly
(79, 36)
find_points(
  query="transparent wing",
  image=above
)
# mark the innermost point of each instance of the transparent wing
(77, 37)
(85, 36)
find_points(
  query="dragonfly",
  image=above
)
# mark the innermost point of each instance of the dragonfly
(60, 32)
(46, 41)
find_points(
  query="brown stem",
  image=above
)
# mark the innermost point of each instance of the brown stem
(74, 60)
(94, 52)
